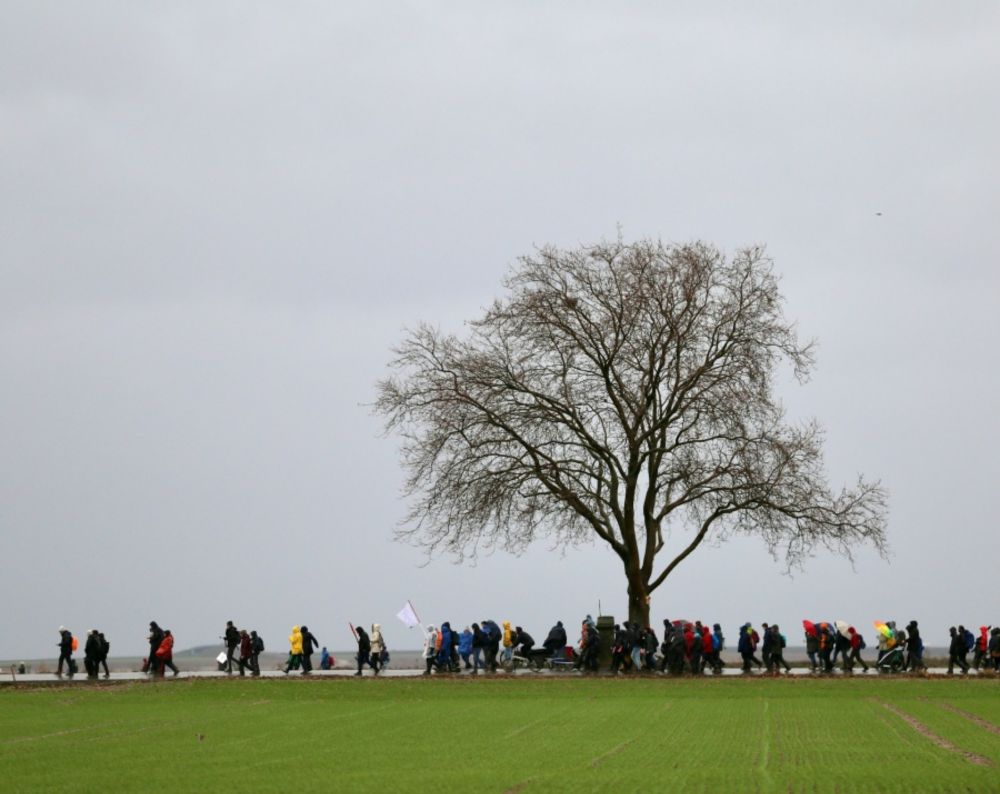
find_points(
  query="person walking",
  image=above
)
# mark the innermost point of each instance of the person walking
(246, 652)
(478, 643)
(778, 643)
(957, 651)
(430, 647)
(92, 653)
(465, 647)
(294, 650)
(232, 640)
(309, 646)
(555, 643)
(65, 652)
(745, 646)
(857, 645)
(914, 647)
(364, 648)
(105, 650)
(257, 645)
(165, 653)
(508, 642)
(718, 646)
(492, 648)
(982, 648)
(155, 638)
(378, 645)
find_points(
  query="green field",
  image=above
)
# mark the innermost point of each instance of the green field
(553, 734)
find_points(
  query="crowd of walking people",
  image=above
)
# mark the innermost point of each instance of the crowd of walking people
(684, 647)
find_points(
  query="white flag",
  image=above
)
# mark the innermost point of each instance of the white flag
(408, 616)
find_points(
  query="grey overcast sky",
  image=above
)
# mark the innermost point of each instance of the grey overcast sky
(217, 218)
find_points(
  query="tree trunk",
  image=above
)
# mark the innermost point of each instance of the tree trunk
(638, 598)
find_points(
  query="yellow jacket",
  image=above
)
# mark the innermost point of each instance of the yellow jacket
(295, 640)
(507, 639)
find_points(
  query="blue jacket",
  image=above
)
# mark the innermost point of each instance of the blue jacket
(746, 643)
(445, 640)
(465, 642)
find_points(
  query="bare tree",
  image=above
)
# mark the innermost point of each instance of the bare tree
(623, 392)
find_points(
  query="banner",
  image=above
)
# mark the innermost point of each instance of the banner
(408, 615)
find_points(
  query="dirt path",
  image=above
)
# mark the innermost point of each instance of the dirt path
(986, 724)
(940, 741)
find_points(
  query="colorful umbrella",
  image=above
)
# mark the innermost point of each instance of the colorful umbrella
(810, 627)
(883, 629)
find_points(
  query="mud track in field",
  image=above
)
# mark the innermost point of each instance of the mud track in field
(985, 724)
(612, 752)
(940, 741)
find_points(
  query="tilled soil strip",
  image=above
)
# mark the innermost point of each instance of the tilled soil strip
(613, 751)
(940, 741)
(972, 718)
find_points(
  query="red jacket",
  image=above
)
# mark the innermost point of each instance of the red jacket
(166, 649)
(246, 646)
(688, 641)
(706, 641)
(855, 641)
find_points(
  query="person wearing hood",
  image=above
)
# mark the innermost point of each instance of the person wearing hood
(66, 652)
(812, 649)
(444, 651)
(617, 649)
(957, 649)
(478, 644)
(994, 648)
(982, 648)
(232, 640)
(591, 648)
(465, 647)
(364, 648)
(309, 646)
(92, 653)
(555, 643)
(718, 646)
(745, 646)
(508, 642)
(491, 632)
(105, 650)
(378, 647)
(165, 653)
(430, 647)
(246, 652)
(294, 649)
(778, 644)
(914, 647)
(257, 644)
(857, 645)
(155, 638)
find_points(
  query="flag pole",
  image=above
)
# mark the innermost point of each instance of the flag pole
(353, 631)
(414, 611)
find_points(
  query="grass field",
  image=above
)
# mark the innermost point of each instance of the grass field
(553, 734)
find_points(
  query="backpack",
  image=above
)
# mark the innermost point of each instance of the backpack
(861, 643)
(258, 644)
(105, 647)
(75, 644)
(970, 640)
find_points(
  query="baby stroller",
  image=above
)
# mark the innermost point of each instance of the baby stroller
(534, 659)
(891, 660)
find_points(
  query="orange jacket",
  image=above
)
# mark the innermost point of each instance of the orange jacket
(166, 649)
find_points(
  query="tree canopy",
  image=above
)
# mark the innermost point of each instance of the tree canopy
(623, 392)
